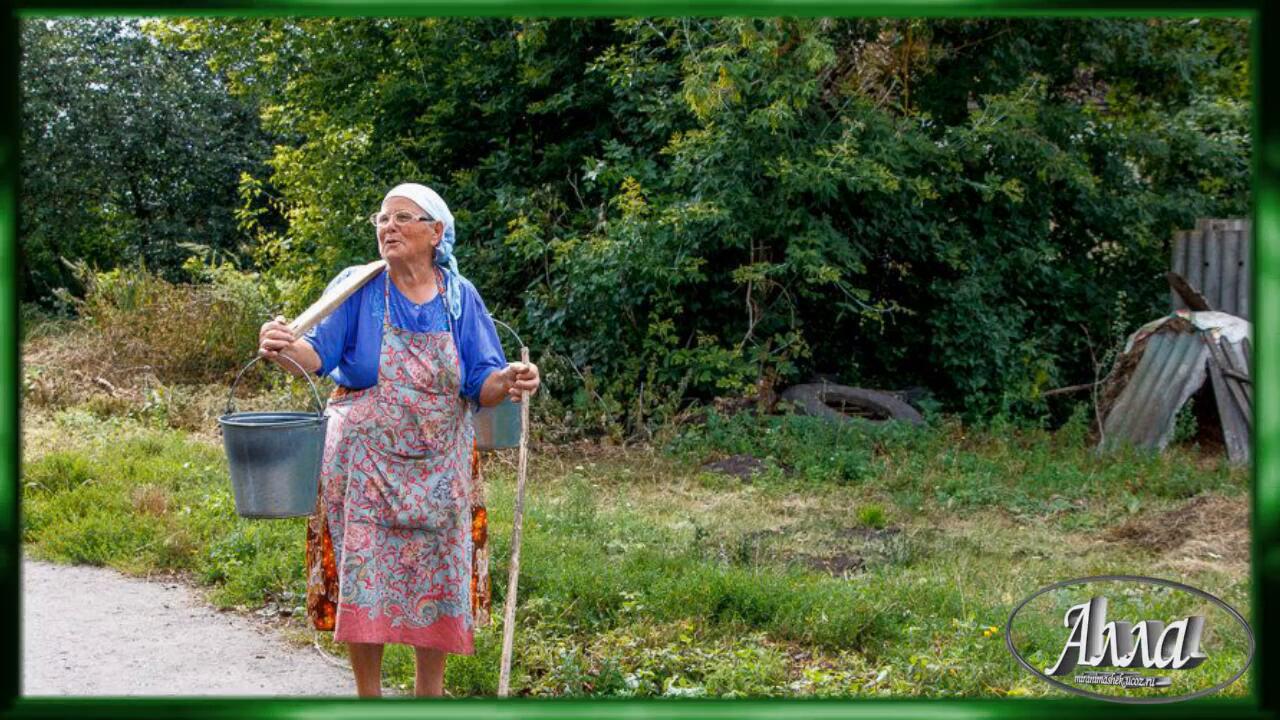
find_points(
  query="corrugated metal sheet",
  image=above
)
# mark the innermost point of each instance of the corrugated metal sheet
(1172, 368)
(1215, 259)
(1172, 364)
(1233, 394)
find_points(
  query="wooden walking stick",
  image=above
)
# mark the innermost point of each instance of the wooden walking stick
(513, 572)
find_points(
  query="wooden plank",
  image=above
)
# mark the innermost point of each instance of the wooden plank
(1231, 373)
(330, 301)
(1234, 431)
(1244, 413)
(1187, 295)
(1240, 373)
(1232, 387)
(1246, 355)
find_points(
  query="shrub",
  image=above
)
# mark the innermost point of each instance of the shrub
(730, 203)
(138, 323)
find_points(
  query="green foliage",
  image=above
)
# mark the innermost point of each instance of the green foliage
(477, 674)
(1185, 424)
(1022, 469)
(675, 660)
(683, 208)
(129, 148)
(807, 449)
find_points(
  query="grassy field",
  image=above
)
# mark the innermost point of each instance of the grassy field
(744, 557)
(731, 557)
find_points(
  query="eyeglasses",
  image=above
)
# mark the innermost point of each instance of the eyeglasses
(403, 217)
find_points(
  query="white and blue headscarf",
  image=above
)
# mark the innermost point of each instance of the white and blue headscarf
(433, 205)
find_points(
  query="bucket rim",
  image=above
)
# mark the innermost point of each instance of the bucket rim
(291, 418)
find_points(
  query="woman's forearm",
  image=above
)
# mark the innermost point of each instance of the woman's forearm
(494, 389)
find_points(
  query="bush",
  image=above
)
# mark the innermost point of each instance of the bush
(198, 332)
(686, 209)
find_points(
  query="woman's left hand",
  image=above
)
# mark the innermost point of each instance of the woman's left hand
(521, 376)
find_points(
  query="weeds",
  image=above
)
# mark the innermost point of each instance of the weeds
(864, 561)
(625, 589)
(872, 516)
(1026, 471)
(134, 325)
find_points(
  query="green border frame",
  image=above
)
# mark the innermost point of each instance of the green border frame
(1265, 701)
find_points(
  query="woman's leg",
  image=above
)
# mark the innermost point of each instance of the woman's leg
(428, 678)
(366, 662)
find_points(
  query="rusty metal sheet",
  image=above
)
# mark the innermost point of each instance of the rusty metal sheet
(1172, 368)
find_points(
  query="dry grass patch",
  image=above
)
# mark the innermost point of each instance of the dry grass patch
(150, 500)
(1208, 533)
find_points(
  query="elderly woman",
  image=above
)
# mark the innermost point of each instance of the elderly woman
(412, 352)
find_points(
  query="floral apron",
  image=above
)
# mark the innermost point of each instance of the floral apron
(396, 513)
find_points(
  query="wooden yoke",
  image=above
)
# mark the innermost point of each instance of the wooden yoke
(330, 301)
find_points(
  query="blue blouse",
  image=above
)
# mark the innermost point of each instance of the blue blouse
(349, 341)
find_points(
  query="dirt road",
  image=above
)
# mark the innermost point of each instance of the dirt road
(93, 631)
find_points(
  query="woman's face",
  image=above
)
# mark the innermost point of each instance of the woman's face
(412, 242)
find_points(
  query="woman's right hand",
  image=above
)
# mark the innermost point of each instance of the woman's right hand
(274, 336)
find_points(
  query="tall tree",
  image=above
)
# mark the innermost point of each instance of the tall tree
(697, 204)
(129, 149)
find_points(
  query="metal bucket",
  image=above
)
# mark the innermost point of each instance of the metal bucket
(274, 457)
(498, 427)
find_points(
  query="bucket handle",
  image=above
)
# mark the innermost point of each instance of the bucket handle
(316, 393)
(508, 328)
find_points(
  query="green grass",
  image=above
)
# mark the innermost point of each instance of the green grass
(961, 469)
(862, 561)
(138, 498)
